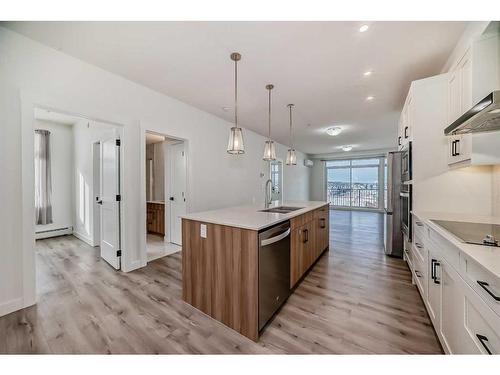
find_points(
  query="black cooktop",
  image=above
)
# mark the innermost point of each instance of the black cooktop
(474, 233)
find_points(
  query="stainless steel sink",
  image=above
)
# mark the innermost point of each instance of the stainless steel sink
(281, 209)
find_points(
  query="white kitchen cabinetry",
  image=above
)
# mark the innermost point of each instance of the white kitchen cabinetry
(405, 122)
(475, 75)
(465, 319)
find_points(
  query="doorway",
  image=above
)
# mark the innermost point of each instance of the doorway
(77, 181)
(165, 166)
(276, 176)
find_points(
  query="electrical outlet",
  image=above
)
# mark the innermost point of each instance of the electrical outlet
(203, 231)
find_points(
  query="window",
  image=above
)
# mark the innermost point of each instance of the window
(355, 183)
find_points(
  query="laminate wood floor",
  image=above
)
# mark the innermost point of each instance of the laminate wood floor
(354, 300)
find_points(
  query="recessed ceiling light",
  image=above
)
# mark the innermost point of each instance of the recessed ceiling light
(370, 98)
(367, 73)
(347, 148)
(363, 28)
(334, 130)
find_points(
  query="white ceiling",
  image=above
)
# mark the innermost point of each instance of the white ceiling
(154, 138)
(318, 66)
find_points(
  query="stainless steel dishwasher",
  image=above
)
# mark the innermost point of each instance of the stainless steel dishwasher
(274, 270)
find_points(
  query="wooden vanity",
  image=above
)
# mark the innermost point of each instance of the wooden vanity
(220, 258)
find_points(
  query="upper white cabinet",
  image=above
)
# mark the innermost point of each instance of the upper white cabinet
(405, 122)
(473, 77)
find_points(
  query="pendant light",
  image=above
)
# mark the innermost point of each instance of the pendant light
(235, 144)
(291, 157)
(269, 147)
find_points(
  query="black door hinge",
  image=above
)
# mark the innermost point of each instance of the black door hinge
(118, 198)
(118, 143)
(119, 253)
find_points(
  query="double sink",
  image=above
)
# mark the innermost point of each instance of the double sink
(281, 209)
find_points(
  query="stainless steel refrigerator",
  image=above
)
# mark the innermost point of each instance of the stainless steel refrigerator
(393, 236)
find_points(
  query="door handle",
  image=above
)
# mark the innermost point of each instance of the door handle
(99, 202)
(171, 198)
(406, 133)
(483, 340)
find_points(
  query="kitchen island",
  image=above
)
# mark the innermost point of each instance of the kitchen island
(220, 257)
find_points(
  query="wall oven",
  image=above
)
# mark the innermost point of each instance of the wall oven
(405, 197)
(406, 161)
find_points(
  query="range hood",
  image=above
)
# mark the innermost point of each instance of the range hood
(483, 117)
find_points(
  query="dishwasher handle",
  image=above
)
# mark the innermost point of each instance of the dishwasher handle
(279, 237)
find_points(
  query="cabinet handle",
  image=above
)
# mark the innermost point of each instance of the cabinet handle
(418, 273)
(457, 150)
(399, 141)
(483, 340)
(434, 264)
(419, 223)
(322, 223)
(305, 238)
(406, 133)
(418, 245)
(485, 285)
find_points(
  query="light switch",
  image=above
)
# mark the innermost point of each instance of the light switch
(203, 231)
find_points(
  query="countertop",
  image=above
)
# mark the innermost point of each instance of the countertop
(156, 202)
(250, 217)
(486, 256)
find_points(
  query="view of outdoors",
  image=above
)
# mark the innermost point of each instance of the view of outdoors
(353, 183)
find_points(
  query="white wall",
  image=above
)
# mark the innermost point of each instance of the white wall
(33, 74)
(62, 167)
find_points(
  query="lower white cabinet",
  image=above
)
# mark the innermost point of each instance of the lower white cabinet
(433, 290)
(464, 321)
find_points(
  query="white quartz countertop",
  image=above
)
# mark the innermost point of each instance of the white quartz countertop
(156, 202)
(486, 256)
(251, 217)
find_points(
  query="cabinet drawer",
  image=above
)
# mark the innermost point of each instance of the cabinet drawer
(408, 255)
(445, 248)
(420, 272)
(418, 248)
(420, 230)
(322, 212)
(485, 284)
(483, 326)
(299, 221)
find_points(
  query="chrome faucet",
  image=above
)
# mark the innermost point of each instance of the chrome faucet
(268, 197)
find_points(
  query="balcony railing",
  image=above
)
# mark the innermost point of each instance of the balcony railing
(362, 198)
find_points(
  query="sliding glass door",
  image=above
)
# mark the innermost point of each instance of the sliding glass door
(355, 183)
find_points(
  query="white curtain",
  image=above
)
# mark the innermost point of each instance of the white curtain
(43, 178)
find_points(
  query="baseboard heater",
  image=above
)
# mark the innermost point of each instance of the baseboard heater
(53, 232)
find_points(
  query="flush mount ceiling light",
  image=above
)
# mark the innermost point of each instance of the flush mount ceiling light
(347, 148)
(269, 146)
(235, 144)
(367, 73)
(363, 28)
(369, 98)
(291, 157)
(334, 130)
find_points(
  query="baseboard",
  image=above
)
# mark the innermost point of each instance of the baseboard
(84, 238)
(11, 306)
(53, 233)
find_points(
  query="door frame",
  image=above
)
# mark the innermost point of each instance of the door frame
(143, 205)
(29, 102)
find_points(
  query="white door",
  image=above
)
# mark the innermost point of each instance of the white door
(178, 191)
(110, 197)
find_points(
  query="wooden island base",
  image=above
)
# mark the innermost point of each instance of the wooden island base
(220, 272)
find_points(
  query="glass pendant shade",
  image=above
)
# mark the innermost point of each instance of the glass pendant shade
(269, 151)
(235, 142)
(291, 157)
